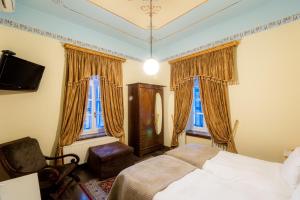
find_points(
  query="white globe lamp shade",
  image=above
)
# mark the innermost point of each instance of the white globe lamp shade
(151, 66)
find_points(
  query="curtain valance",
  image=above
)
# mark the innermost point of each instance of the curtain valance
(82, 65)
(216, 64)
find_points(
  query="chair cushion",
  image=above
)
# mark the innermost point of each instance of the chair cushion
(24, 155)
(110, 151)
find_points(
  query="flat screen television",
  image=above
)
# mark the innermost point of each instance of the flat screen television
(19, 74)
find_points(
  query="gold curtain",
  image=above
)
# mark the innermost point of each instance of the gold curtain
(214, 98)
(81, 64)
(183, 104)
(112, 106)
(216, 69)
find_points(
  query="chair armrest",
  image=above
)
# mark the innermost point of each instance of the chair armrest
(74, 160)
(47, 173)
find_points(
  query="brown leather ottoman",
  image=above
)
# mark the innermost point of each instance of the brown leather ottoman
(109, 159)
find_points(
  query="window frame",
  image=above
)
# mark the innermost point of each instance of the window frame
(94, 131)
(193, 130)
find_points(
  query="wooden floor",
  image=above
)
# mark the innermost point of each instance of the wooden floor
(74, 191)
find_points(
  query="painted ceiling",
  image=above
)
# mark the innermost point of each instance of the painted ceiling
(137, 11)
(121, 26)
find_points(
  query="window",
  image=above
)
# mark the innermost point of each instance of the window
(93, 125)
(198, 116)
(196, 124)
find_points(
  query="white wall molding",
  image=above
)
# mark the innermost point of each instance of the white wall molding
(237, 36)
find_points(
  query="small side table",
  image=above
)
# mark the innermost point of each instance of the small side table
(108, 160)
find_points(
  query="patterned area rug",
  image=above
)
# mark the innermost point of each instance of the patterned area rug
(97, 190)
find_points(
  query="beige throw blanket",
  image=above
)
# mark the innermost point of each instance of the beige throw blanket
(143, 180)
(195, 154)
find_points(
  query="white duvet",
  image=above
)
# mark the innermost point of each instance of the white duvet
(230, 176)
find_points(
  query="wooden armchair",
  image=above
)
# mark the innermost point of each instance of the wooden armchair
(24, 156)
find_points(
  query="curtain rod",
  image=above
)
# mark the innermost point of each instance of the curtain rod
(70, 46)
(223, 46)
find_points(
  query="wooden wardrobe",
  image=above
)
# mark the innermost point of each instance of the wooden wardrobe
(145, 118)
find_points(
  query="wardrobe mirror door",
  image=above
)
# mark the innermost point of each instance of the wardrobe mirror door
(158, 113)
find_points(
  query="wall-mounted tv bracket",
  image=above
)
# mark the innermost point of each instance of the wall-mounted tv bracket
(8, 52)
(2, 60)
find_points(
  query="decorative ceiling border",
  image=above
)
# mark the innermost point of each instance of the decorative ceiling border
(238, 36)
(63, 5)
(103, 23)
(61, 38)
(203, 19)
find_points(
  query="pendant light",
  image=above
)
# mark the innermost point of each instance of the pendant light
(151, 66)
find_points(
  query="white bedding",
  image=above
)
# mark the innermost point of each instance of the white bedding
(230, 176)
(200, 184)
(261, 174)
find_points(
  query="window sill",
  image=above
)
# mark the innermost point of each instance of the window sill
(200, 134)
(92, 135)
(98, 140)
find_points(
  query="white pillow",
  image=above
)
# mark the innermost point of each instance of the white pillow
(290, 170)
(296, 193)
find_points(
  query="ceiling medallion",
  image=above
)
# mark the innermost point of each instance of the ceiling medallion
(146, 8)
(155, 9)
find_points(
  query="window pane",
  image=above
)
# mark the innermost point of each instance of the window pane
(87, 123)
(98, 107)
(89, 107)
(97, 87)
(99, 121)
(199, 120)
(197, 107)
(90, 91)
(197, 101)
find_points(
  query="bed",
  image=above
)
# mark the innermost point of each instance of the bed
(222, 175)
(195, 154)
(230, 176)
(143, 180)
